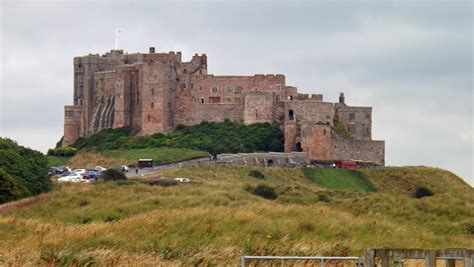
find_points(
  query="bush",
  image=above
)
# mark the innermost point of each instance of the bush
(341, 130)
(422, 192)
(470, 229)
(264, 191)
(113, 175)
(323, 198)
(213, 137)
(10, 189)
(29, 168)
(62, 151)
(162, 182)
(256, 174)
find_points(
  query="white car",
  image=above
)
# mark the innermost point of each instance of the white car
(79, 171)
(100, 168)
(73, 178)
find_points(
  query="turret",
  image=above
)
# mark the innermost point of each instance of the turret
(342, 100)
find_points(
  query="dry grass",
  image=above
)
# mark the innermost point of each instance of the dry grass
(215, 221)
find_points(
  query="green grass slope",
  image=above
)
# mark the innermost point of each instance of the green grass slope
(109, 158)
(214, 220)
(339, 179)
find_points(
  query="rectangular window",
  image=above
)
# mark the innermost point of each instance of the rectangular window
(214, 89)
(351, 129)
(367, 115)
(69, 113)
(351, 116)
(214, 100)
(237, 100)
(278, 87)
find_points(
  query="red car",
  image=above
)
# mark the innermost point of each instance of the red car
(347, 164)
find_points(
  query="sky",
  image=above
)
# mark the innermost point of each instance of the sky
(412, 61)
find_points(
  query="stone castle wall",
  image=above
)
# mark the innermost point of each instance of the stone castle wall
(155, 92)
(354, 149)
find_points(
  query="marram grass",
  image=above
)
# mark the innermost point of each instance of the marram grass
(213, 221)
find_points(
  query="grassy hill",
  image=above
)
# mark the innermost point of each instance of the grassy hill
(216, 219)
(109, 158)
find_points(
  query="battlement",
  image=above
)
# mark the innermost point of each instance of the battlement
(153, 92)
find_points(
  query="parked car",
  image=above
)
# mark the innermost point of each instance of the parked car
(100, 168)
(346, 164)
(73, 178)
(123, 168)
(93, 174)
(79, 171)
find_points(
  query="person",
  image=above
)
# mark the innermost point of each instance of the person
(136, 170)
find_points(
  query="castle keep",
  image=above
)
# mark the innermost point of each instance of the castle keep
(154, 92)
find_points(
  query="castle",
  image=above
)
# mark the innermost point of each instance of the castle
(154, 92)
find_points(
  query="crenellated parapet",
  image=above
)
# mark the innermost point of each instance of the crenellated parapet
(154, 92)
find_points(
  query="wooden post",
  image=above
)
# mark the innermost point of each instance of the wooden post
(450, 263)
(370, 258)
(469, 261)
(430, 260)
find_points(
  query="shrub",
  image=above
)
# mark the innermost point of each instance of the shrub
(323, 198)
(264, 191)
(112, 218)
(340, 130)
(422, 192)
(113, 175)
(27, 167)
(470, 229)
(162, 182)
(256, 174)
(213, 137)
(10, 189)
(62, 151)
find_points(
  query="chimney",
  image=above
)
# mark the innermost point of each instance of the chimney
(342, 99)
(152, 50)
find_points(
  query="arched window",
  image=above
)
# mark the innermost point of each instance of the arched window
(270, 162)
(148, 118)
(298, 147)
(290, 97)
(152, 91)
(152, 105)
(202, 100)
(291, 115)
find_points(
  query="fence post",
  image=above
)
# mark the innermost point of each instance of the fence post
(242, 261)
(430, 259)
(370, 258)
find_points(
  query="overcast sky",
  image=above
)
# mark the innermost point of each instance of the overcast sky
(411, 61)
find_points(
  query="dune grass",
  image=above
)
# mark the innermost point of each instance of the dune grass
(213, 220)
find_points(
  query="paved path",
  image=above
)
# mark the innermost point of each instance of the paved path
(141, 172)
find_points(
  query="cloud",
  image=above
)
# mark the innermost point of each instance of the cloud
(411, 61)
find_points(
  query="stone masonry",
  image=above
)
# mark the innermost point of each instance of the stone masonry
(154, 92)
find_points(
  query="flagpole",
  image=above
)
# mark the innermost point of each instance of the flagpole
(117, 32)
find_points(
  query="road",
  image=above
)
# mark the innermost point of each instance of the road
(144, 171)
